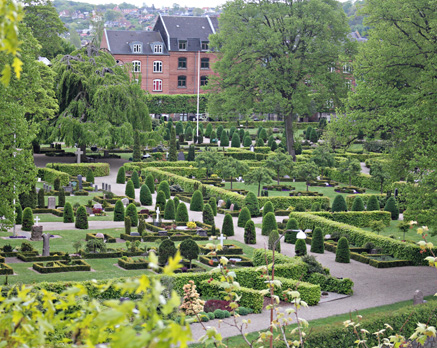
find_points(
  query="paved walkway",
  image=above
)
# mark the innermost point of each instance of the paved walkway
(373, 287)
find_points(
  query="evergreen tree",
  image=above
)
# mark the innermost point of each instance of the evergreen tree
(160, 201)
(250, 233)
(228, 225)
(241, 135)
(313, 136)
(57, 184)
(135, 179)
(339, 204)
(373, 203)
(189, 250)
(247, 141)
(300, 247)
(169, 213)
(270, 141)
(263, 135)
(208, 215)
(18, 214)
(130, 190)
(150, 182)
(342, 254)
(61, 197)
(219, 132)
(317, 242)
(121, 176)
(290, 237)
(235, 140)
(166, 250)
(191, 153)
(27, 219)
(358, 204)
(224, 139)
(176, 203)
(392, 207)
(182, 213)
(243, 217)
(259, 142)
(131, 211)
(208, 130)
(232, 131)
(136, 155)
(41, 202)
(81, 218)
(180, 128)
(251, 202)
(145, 195)
(141, 225)
(165, 187)
(196, 203)
(173, 156)
(274, 237)
(269, 224)
(68, 215)
(90, 176)
(308, 132)
(268, 207)
(127, 225)
(274, 146)
(213, 203)
(213, 135)
(119, 211)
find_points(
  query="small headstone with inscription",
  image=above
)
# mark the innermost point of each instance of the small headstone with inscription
(79, 179)
(181, 156)
(36, 233)
(418, 297)
(51, 202)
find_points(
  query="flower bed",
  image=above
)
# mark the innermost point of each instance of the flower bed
(237, 260)
(59, 266)
(279, 187)
(5, 269)
(228, 249)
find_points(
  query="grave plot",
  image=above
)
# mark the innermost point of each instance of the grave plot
(62, 266)
(131, 263)
(96, 249)
(5, 269)
(234, 260)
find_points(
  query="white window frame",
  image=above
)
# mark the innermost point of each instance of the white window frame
(157, 85)
(184, 43)
(157, 48)
(137, 48)
(157, 66)
(347, 69)
(136, 66)
(204, 43)
(331, 69)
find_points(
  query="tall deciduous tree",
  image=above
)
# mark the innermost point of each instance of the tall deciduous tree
(280, 162)
(379, 173)
(208, 160)
(259, 175)
(279, 53)
(230, 167)
(323, 157)
(307, 171)
(350, 167)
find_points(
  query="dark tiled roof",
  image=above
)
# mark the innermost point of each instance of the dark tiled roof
(119, 41)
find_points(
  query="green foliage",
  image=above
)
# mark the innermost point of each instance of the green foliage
(259, 175)
(150, 182)
(169, 213)
(131, 211)
(191, 153)
(358, 204)
(339, 204)
(141, 225)
(130, 189)
(317, 241)
(219, 131)
(316, 207)
(373, 204)
(392, 207)
(119, 211)
(292, 224)
(19, 214)
(250, 232)
(166, 250)
(243, 217)
(41, 203)
(224, 139)
(308, 171)
(342, 254)
(90, 176)
(160, 201)
(280, 163)
(173, 156)
(274, 237)
(323, 157)
(127, 225)
(121, 176)
(207, 215)
(136, 154)
(145, 195)
(213, 135)
(49, 175)
(208, 130)
(27, 219)
(57, 184)
(182, 213)
(189, 133)
(251, 202)
(176, 203)
(74, 169)
(228, 225)
(179, 128)
(213, 203)
(165, 187)
(376, 226)
(268, 207)
(196, 203)
(308, 132)
(229, 167)
(68, 215)
(235, 142)
(81, 218)
(269, 224)
(247, 141)
(208, 160)
(189, 249)
(351, 167)
(135, 179)
(61, 197)
(300, 247)
(313, 136)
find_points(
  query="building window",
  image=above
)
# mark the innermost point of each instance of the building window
(136, 66)
(330, 104)
(157, 48)
(331, 69)
(203, 80)
(204, 63)
(205, 45)
(347, 69)
(349, 84)
(157, 66)
(137, 48)
(182, 81)
(182, 63)
(182, 45)
(157, 85)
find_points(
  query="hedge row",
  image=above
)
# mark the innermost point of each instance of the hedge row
(225, 251)
(49, 175)
(2, 259)
(74, 169)
(283, 202)
(362, 157)
(56, 212)
(108, 238)
(359, 237)
(101, 255)
(360, 180)
(132, 265)
(54, 256)
(365, 197)
(77, 266)
(15, 253)
(5, 269)
(423, 217)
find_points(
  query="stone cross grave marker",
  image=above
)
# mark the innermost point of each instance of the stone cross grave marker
(157, 213)
(51, 202)
(221, 238)
(78, 153)
(37, 219)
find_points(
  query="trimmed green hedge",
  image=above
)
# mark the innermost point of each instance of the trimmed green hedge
(365, 197)
(54, 256)
(109, 239)
(76, 266)
(310, 293)
(56, 212)
(233, 250)
(5, 269)
(360, 180)
(105, 255)
(49, 175)
(132, 265)
(245, 261)
(423, 217)
(74, 169)
(282, 202)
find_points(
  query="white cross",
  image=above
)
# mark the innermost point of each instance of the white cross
(157, 213)
(221, 239)
(78, 153)
(37, 219)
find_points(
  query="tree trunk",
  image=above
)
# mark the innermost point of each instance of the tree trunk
(278, 177)
(231, 182)
(259, 187)
(83, 158)
(350, 180)
(289, 135)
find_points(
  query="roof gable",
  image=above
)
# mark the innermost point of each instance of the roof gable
(121, 41)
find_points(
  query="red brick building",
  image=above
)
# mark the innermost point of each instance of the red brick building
(167, 59)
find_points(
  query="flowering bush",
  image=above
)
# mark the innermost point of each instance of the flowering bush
(192, 304)
(191, 224)
(212, 305)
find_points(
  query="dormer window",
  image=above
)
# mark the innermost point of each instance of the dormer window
(137, 48)
(182, 45)
(205, 45)
(157, 48)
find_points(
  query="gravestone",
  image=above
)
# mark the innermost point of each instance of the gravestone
(100, 235)
(46, 244)
(96, 188)
(220, 203)
(202, 233)
(109, 188)
(36, 233)
(68, 188)
(135, 234)
(79, 179)
(252, 148)
(181, 156)
(221, 239)
(125, 201)
(49, 188)
(103, 186)
(98, 206)
(231, 208)
(51, 202)
(89, 210)
(162, 233)
(418, 297)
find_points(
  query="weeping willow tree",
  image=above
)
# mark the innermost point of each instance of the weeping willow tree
(99, 103)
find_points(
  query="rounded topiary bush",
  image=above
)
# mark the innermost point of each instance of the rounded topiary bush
(160, 201)
(300, 247)
(164, 187)
(182, 213)
(176, 203)
(136, 179)
(141, 225)
(61, 197)
(145, 195)
(219, 131)
(268, 208)
(251, 202)
(358, 204)
(208, 215)
(127, 225)
(169, 212)
(41, 203)
(27, 219)
(342, 254)
(274, 237)
(315, 206)
(81, 218)
(130, 189)
(196, 203)
(189, 250)
(339, 204)
(90, 176)
(250, 232)
(392, 207)
(166, 250)
(269, 224)
(243, 217)
(131, 211)
(235, 142)
(213, 203)
(18, 214)
(228, 225)
(373, 203)
(317, 245)
(224, 139)
(121, 176)
(150, 182)
(119, 211)
(68, 215)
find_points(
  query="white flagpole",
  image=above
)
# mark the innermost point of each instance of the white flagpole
(198, 91)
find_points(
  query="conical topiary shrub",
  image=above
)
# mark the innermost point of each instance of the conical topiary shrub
(182, 213)
(18, 214)
(269, 224)
(68, 215)
(250, 233)
(274, 237)
(121, 176)
(150, 182)
(358, 204)
(131, 211)
(247, 141)
(291, 231)
(61, 197)
(160, 201)
(27, 219)
(317, 245)
(213, 203)
(228, 225)
(141, 225)
(235, 142)
(373, 204)
(224, 139)
(251, 202)
(90, 176)
(41, 203)
(130, 190)
(145, 195)
(81, 218)
(342, 254)
(196, 203)
(176, 203)
(127, 225)
(243, 217)
(268, 208)
(164, 187)
(135, 179)
(392, 207)
(208, 215)
(339, 204)
(119, 211)
(166, 250)
(300, 247)
(169, 212)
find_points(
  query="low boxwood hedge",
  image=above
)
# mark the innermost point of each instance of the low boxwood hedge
(130, 238)
(310, 293)
(228, 249)
(74, 169)
(59, 266)
(54, 256)
(137, 264)
(105, 255)
(5, 269)
(245, 261)
(108, 238)
(15, 253)
(56, 212)
(365, 197)
(50, 174)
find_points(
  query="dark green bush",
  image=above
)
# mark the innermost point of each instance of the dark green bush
(68, 215)
(150, 182)
(189, 249)
(358, 204)
(259, 143)
(18, 214)
(176, 203)
(213, 203)
(56, 184)
(228, 225)
(127, 225)
(268, 208)
(219, 131)
(392, 208)
(235, 142)
(224, 139)
(135, 179)
(166, 250)
(251, 202)
(165, 187)
(269, 224)
(61, 197)
(315, 207)
(373, 204)
(317, 241)
(196, 203)
(131, 211)
(208, 215)
(41, 203)
(130, 189)
(141, 225)
(145, 195)
(182, 213)
(169, 213)
(247, 141)
(243, 217)
(342, 254)
(121, 176)
(81, 218)
(191, 153)
(274, 237)
(208, 130)
(160, 201)
(300, 247)
(27, 219)
(339, 204)
(90, 176)
(250, 233)
(119, 211)
(299, 207)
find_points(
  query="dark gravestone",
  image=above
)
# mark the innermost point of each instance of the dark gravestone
(135, 234)
(79, 179)
(202, 233)
(36, 233)
(181, 156)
